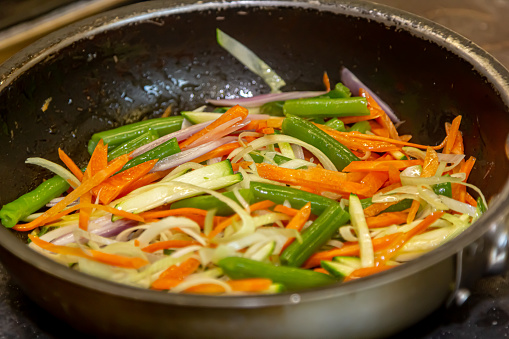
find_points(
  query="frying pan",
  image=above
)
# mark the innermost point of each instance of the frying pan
(131, 64)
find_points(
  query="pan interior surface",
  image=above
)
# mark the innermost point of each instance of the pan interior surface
(130, 69)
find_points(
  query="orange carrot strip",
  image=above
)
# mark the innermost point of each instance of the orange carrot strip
(218, 152)
(71, 165)
(239, 285)
(162, 245)
(451, 136)
(470, 200)
(367, 271)
(106, 258)
(388, 253)
(326, 81)
(383, 119)
(275, 122)
(85, 211)
(394, 175)
(373, 181)
(316, 178)
(298, 221)
(333, 133)
(85, 186)
(377, 129)
(174, 274)
(286, 210)
(113, 186)
(145, 180)
(267, 130)
(232, 113)
(430, 165)
(414, 208)
(348, 249)
(383, 166)
(243, 164)
(99, 159)
(376, 208)
(386, 219)
(178, 211)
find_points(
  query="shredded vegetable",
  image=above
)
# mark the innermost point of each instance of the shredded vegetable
(255, 204)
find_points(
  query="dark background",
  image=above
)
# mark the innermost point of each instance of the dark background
(484, 315)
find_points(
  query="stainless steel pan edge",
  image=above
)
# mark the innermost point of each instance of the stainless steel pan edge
(439, 263)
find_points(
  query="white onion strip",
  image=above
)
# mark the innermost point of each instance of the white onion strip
(57, 169)
(261, 99)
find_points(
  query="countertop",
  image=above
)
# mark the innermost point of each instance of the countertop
(484, 315)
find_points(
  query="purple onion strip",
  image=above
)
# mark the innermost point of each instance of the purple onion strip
(261, 99)
(354, 84)
(180, 158)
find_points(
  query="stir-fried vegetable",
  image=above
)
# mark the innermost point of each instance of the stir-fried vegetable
(327, 191)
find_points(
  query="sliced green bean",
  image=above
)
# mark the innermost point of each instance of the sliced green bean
(361, 126)
(116, 136)
(30, 202)
(339, 91)
(162, 151)
(306, 131)
(274, 108)
(326, 107)
(336, 124)
(315, 236)
(291, 277)
(132, 144)
(296, 198)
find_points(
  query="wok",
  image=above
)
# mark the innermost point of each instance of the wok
(130, 64)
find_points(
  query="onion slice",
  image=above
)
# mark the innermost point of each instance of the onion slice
(261, 99)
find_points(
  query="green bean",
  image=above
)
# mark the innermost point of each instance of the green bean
(339, 91)
(296, 198)
(336, 124)
(274, 108)
(132, 144)
(306, 131)
(326, 107)
(444, 188)
(361, 126)
(162, 151)
(208, 202)
(315, 236)
(122, 134)
(30, 202)
(291, 277)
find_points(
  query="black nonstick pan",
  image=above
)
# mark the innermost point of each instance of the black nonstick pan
(131, 64)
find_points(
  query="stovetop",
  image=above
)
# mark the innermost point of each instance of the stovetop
(484, 315)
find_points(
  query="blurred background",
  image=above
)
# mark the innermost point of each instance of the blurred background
(486, 312)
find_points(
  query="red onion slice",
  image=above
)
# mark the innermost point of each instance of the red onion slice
(354, 84)
(261, 99)
(190, 154)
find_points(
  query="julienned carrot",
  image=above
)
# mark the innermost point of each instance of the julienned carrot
(85, 212)
(386, 219)
(367, 271)
(376, 208)
(403, 238)
(314, 178)
(373, 114)
(459, 191)
(105, 258)
(85, 186)
(326, 81)
(429, 168)
(286, 210)
(275, 122)
(373, 181)
(261, 205)
(174, 275)
(113, 186)
(451, 135)
(348, 249)
(412, 211)
(383, 166)
(232, 113)
(298, 221)
(99, 159)
(333, 133)
(243, 164)
(175, 212)
(161, 245)
(145, 180)
(383, 119)
(70, 164)
(238, 285)
(394, 175)
(377, 129)
(218, 152)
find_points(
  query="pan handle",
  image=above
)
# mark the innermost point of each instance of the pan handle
(486, 256)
